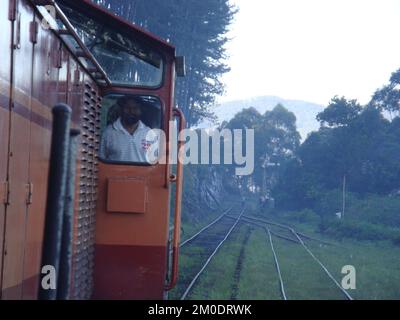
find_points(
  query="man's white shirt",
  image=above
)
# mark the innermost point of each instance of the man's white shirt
(117, 144)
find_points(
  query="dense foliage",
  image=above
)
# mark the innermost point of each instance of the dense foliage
(364, 149)
(276, 141)
(357, 148)
(351, 167)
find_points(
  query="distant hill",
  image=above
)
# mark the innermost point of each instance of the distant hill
(305, 111)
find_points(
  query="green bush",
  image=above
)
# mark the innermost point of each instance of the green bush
(376, 209)
(303, 216)
(368, 217)
(396, 240)
(307, 215)
(361, 231)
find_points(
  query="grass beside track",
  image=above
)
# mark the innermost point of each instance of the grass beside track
(376, 263)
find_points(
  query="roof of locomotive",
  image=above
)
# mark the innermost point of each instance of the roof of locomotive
(91, 9)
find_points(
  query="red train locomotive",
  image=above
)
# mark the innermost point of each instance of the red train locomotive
(116, 83)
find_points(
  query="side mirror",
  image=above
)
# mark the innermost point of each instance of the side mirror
(180, 66)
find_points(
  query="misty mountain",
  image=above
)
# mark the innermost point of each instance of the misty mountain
(305, 112)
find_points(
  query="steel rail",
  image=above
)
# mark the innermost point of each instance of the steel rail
(193, 282)
(206, 227)
(278, 269)
(248, 221)
(349, 297)
(297, 235)
(289, 228)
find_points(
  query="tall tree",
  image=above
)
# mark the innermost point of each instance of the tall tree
(387, 98)
(365, 149)
(276, 141)
(339, 112)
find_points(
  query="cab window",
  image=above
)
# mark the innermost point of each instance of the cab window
(130, 129)
(125, 59)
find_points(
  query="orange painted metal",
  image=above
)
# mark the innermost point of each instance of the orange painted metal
(128, 234)
(126, 195)
(41, 77)
(141, 240)
(178, 199)
(87, 100)
(44, 95)
(149, 229)
(5, 76)
(17, 210)
(122, 278)
(131, 249)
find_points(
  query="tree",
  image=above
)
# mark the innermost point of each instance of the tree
(276, 140)
(279, 129)
(388, 97)
(248, 118)
(366, 150)
(340, 112)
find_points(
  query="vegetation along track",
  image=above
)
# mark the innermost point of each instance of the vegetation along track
(297, 237)
(239, 264)
(203, 247)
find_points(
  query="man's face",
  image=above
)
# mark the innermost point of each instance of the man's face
(131, 113)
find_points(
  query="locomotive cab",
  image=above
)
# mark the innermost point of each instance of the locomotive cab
(119, 82)
(133, 193)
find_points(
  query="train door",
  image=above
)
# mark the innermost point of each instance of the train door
(132, 220)
(18, 174)
(46, 68)
(133, 197)
(132, 215)
(5, 76)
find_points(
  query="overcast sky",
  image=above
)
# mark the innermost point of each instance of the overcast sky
(312, 49)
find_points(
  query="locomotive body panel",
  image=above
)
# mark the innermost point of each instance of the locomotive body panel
(44, 95)
(131, 248)
(115, 255)
(43, 73)
(18, 170)
(5, 79)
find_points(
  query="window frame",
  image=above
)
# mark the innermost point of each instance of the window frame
(124, 32)
(162, 127)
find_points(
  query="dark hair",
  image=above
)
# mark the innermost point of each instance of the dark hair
(124, 100)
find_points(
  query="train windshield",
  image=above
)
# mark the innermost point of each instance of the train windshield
(125, 60)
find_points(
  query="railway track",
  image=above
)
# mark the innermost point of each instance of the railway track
(206, 227)
(239, 263)
(276, 262)
(287, 227)
(278, 269)
(298, 236)
(206, 244)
